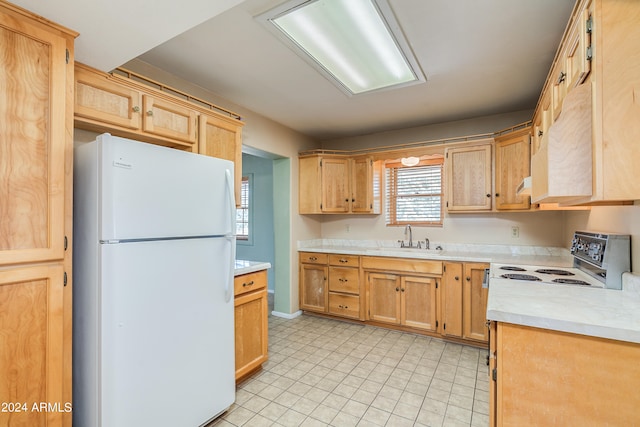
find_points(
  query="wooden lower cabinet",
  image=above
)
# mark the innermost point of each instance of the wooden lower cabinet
(550, 378)
(251, 324)
(313, 287)
(403, 300)
(464, 301)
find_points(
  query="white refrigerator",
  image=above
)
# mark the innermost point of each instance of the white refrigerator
(154, 254)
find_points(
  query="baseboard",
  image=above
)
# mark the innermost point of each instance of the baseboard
(286, 315)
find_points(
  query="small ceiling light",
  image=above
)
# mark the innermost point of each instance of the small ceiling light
(349, 41)
(410, 161)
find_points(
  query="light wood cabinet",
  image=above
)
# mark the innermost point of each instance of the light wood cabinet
(545, 377)
(344, 286)
(468, 172)
(221, 137)
(36, 74)
(403, 300)
(512, 165)
(104, 102)
(251, 322)
(464, 301)
(338, 184)
(313, 282)
(591, 150)
(125, 107)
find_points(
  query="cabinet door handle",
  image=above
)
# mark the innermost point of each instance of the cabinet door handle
(402, 289)
(136, 109)
(468, 279)
(488, 195)
(397, 289)
(150, 113)
(497, 194)
(561, 77)
(457, 278)
(540, 133)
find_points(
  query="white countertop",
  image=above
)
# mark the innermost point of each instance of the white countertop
(604, 313)
(245, 267)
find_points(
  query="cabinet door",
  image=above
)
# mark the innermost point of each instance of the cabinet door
(32, 146)
(31, 337)
(165, 118)
(577, 62)
(475, 302)
(106, 101)
(451, 294)
(361, 185)
(384, 297)
(418, 308)
(251, 314)
(223, 139)
(512, 166)
(335, 185)
(313, 287)
(469, 178)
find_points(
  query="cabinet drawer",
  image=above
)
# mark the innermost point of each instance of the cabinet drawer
(250, 282)
(344, 260)
(344, 305)
(344, 279)
(402, 265)
(313, 258)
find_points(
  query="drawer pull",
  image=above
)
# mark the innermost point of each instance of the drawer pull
(247, 284)
(312, 258)
(344, 261)
(343, 306)
(343, 280)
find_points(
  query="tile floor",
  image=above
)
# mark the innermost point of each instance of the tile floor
(324, 372)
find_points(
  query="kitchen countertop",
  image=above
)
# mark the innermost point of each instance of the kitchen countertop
(245, 267)
(603, 313)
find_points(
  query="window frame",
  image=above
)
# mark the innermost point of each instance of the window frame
(390, 214)
(248, 238)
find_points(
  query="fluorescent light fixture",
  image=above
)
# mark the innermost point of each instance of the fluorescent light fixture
(349, 41)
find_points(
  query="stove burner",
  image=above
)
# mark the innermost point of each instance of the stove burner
(512, 268)
(555, 272)
(570, 282)
(520, 277)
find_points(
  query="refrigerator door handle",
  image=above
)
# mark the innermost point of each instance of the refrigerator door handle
(231, 237)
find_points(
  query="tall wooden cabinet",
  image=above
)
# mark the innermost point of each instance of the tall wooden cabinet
(36, 111)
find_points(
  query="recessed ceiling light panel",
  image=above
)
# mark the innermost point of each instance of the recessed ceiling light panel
(349, 41)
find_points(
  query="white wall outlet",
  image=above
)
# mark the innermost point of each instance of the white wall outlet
(515, 231)
(348, 227)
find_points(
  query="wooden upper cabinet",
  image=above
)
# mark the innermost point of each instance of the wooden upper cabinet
(512, 165)
(469, 178)
(33, 78)
(335, 185)
(338, 184)
(101, 99)
(361, 185)
(222, 138)
(165, 118)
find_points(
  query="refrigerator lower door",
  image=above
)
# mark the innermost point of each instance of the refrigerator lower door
(167, 345)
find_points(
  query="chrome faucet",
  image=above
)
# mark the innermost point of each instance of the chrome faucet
(407, 229)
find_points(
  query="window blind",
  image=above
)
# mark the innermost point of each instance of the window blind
(414, 194)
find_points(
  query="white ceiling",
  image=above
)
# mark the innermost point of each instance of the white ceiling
(480, 57)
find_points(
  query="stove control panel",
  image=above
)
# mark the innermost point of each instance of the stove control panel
(589, 247)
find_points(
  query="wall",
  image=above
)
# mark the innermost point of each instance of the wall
(611, 219)
(477, 126)
(535, 229)
(261, 245)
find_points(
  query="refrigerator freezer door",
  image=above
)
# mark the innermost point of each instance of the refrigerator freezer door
(148, 191)
(167, 333)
